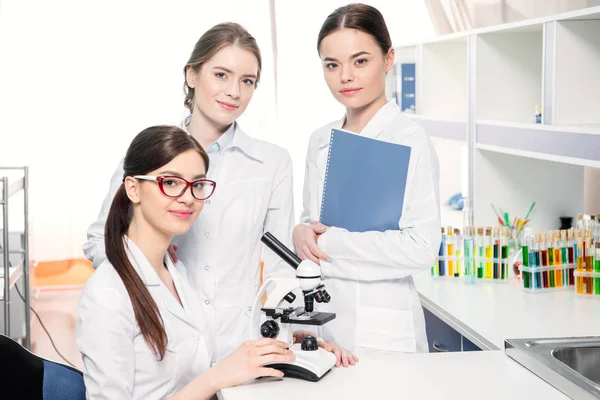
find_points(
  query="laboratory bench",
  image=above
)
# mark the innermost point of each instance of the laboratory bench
(466, 328)
(481, 316)
(454, 375)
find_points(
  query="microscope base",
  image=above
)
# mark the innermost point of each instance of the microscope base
(309, 365)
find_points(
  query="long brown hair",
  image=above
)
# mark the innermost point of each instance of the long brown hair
(213, 40)
(150, 149)
(361, 17)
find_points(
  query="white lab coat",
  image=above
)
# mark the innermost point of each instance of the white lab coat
(118, 362)
(222, 250)
(369, 274)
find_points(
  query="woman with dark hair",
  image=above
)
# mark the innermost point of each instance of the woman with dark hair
(370, 273)
(222, 251)
(140, 328)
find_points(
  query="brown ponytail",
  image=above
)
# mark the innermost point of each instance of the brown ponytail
(149, 150)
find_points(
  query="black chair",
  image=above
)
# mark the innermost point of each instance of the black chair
(23, 375)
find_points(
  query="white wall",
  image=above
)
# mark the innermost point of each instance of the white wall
(80, 79)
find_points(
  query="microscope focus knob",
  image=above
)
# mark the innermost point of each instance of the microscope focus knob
(290, 297)
(309, 343)
(269, 329)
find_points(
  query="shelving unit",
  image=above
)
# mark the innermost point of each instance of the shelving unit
(14, 252)
(479, 90)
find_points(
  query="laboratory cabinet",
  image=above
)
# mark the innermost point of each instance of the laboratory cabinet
(441, 337)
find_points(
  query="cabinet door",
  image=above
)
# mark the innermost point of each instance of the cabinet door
(440, 336)
(467, 345)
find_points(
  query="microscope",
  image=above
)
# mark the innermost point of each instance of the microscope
(275, 318)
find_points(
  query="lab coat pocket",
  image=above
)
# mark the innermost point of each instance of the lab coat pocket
(233, 318)
(386, 329)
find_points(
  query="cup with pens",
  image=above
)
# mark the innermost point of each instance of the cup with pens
(515, 230)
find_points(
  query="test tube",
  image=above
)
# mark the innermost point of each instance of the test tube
(469, 243)
(544, 260)
(550, 248)
(489, 253)
(479, 252)
(597, 268)
(571, 256)
(441, 261)
(450, 252)
(504, 252)
(558, 275)
(580, 266)
(459, 249)
(525, 248)
(589, 262)
(537, 257)
(564, 257)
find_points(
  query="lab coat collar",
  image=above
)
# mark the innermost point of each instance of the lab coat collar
(156, 287)
(239, 140)
(375, 126)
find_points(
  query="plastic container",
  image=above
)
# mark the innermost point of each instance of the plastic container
(587, 283)
(544, 279)
(473, 269)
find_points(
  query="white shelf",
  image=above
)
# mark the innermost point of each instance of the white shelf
(552, 62)
(512, 183)
(442, 82)
(509, 74)
(577, 73)
(571, 145)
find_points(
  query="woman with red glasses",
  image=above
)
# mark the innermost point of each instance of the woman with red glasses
(222, 250)
(140, 328)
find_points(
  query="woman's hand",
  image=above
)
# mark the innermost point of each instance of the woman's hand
(172, 250)
(305, 241)
(342, 356)
(247, 362)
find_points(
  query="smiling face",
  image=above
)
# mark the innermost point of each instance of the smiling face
(170, 216)
(354, 67)
(224, 84)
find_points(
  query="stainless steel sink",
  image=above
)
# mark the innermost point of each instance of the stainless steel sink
(571, 365)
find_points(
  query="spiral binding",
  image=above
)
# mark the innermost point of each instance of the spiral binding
(326, 171)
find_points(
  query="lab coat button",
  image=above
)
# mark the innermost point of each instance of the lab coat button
(206, 267)
(206, 302)
(206, 233)
(207, 201)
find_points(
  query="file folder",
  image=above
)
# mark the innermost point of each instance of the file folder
(365, 181)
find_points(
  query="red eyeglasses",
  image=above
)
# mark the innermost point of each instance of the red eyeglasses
(175, 186)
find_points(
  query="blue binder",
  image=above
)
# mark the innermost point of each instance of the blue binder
(365, 180)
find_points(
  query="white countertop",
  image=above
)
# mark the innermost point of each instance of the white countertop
(489, 312)
(461, 375)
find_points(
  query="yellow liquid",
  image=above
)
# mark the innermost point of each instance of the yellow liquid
(450, 263)
(489, 254)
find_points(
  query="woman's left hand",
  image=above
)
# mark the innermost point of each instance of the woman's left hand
(342, 356)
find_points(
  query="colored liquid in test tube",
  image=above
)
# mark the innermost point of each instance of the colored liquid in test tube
(450, 252)
(489, 253)
(480, 241)
(597, 268)
(550, 250)
(580, 266)
(571, 256)
(459, 250)
(442, 262)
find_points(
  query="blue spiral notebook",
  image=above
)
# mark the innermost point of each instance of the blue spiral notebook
(364, 186)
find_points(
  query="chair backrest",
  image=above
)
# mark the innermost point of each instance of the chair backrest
(24, 375)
